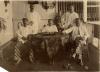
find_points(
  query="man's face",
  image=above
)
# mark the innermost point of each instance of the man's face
(78, 22)
(50, 5)
(71, 8)
(50, 22)
(31, 7)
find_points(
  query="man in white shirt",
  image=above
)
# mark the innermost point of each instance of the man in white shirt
(51, 11)
(34, 17)
(24, 30)
(78, 30)
(21, 48)
(69, 17)
(50, 27)
(79, 37)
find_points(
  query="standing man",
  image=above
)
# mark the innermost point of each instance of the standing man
(47, 11)
(34, 18)
(69, 17)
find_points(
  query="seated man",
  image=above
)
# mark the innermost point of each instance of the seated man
(22, 33)
(50, 27)
(24, 30)
(79, 37)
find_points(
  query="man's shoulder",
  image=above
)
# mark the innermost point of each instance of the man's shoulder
(83, 26)
(36, 12)
(53, 25)
(22, 28)
(74, 27)
(46, 26)
(76, 14)
(67, 13)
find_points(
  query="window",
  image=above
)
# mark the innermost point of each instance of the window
(63, 7)
(93, 11)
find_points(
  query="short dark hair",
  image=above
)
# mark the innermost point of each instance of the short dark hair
(71, 5)
(49, 19)
(24, 19)
(76, 20)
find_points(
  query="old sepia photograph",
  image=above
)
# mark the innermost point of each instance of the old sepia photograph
(49, 35)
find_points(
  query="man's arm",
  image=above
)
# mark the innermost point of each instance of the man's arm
(86, 34)
(55, 28)
(69, 30)
(19, 34)
(44, 29)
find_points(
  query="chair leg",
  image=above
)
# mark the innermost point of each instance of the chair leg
(18, 61)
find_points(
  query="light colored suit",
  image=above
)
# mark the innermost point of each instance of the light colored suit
(80, 31)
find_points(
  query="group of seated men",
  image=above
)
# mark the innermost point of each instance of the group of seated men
(78, 32)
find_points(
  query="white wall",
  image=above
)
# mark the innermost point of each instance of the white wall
(19, 9)
(8, 18)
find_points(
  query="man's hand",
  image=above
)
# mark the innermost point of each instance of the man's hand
(83, 38)
(24, 38)
(64, 32)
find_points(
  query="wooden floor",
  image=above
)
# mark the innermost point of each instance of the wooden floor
(8, 63)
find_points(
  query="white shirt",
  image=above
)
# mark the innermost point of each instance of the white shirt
(72, 17)
(68, 18)
(45, 15)
(65, 17)
(78, 31)
(51, 28)
(24, 32)
(35, 18)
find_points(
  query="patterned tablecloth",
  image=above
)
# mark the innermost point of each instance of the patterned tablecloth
(48, 42)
